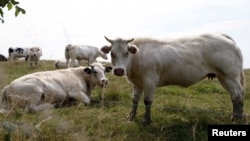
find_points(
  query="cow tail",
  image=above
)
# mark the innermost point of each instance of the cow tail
(239, 54)
(4, 98)
(242, 73)
(242, 79)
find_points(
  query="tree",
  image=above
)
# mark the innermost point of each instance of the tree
(10, 4)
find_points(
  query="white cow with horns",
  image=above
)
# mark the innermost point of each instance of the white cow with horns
(82, 52)
(150, 63)
(48, 89)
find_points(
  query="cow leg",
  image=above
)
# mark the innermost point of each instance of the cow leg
(72, 63)
(42, 107)
(149, 91)
(67, 62)
(236, 90)
(81, 97)
(35, 99)
(91, 60)
(26, 58)
(137, 92)
(79, 63)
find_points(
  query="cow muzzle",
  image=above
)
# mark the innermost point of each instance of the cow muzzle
(119, 71)
(104, 82)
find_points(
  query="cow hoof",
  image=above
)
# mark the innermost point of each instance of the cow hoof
(146, 122)
(237, 119)
(131, 117)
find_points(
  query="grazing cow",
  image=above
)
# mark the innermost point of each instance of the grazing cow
(35, 54)
(3, 58)
(18, 52)
(82, 52)
(41, 90)
(150, 63)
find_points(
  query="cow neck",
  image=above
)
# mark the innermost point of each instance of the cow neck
(89, 86)
(86, 80)
(130, 66)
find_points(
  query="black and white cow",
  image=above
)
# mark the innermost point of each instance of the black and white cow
(18, 52)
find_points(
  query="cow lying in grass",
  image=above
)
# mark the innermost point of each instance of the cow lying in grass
(42, 90)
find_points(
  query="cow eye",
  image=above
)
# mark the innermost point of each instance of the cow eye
(126, 54)
(95, 73)
(112, 55)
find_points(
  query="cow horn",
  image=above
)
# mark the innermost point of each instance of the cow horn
(130, 40)
(109, 40)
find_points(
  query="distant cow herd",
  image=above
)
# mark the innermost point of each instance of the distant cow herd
(147, 63)
(31, 55)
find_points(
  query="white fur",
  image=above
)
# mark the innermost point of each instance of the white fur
(82, 52)
(178, 61)
(32, 91)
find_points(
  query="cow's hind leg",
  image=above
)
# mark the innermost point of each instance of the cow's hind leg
(236, 90)
(41, 107)
(67, 62)
(72, 63)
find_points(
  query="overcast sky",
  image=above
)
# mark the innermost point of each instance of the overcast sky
(52, 24)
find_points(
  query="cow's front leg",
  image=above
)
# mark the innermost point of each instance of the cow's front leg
(78, 97)
(137, 92)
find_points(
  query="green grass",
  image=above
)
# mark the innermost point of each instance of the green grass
(177, 113)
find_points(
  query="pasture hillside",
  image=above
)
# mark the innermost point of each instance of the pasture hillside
(177, 113)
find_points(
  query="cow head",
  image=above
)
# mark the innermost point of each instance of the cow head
(34, 52)
(96, 71)
(121, 51)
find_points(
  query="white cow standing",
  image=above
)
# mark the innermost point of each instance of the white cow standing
(150, 63)
(42, 90)
(82, 52)
(35, 54)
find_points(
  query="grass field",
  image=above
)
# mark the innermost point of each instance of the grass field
(177, 113)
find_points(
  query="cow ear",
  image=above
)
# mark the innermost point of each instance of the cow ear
(87, 70)
(106, 49)
(133, 49)
(108, 69)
